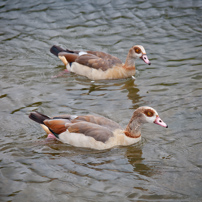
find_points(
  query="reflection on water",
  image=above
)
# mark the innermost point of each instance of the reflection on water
(124, 85)
(133, 94)
(165, 165)
(134, 155)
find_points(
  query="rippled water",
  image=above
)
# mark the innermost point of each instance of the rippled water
(166, 165)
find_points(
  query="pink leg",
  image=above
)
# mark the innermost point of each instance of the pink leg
(51, 136)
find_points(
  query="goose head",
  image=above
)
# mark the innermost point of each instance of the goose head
(138, 51)
(150, 115)
(141, 116)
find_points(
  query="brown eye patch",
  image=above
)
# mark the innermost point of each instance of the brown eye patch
(149, 112)
(137, 50)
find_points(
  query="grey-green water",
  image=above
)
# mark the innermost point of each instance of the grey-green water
(166, 165)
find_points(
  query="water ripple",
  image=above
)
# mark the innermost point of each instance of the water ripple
(165, 165)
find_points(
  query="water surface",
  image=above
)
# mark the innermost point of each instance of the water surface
(166, 165)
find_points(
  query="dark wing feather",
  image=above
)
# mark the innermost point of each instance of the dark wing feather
(38, 117)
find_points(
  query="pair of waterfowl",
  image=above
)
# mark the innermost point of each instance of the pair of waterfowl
(91, 131)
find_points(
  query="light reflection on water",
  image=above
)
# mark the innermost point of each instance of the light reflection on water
(165, 165)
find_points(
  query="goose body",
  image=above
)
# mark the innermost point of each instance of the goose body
(98, 65)
(97, 132)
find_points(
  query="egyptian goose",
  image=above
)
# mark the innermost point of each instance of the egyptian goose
(97, 132)
(99, 65)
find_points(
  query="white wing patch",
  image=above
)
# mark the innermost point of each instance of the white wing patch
(73, 117)
(82, 53)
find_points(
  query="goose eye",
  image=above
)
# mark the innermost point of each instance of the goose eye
(149, 113)
(137, 50)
